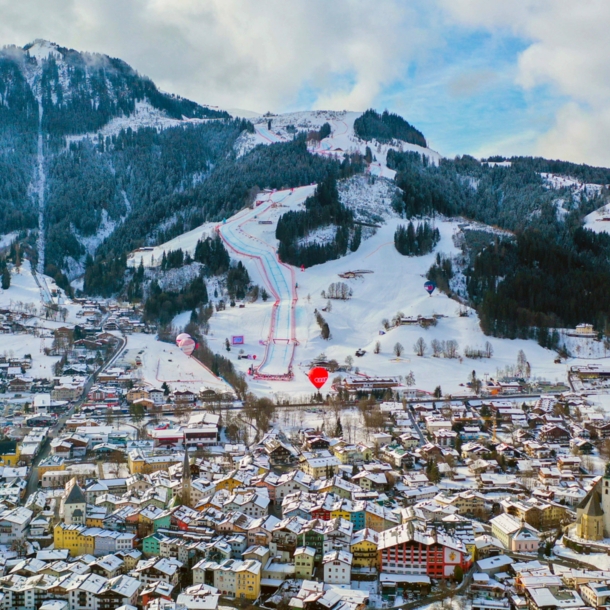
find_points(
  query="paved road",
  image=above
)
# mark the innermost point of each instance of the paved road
(422, 438)
(32, 485)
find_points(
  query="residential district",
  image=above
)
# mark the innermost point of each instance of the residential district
(119, 494)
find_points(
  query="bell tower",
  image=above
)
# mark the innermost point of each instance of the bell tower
(604, 490)
(186, 479)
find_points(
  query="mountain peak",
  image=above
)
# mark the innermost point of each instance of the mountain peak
(42, 49)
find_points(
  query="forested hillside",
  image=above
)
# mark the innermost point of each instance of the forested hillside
(159, 215)
(386, 127)
(79, 162)
(553, 273)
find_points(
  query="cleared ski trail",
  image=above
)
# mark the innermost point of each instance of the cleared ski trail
(279, 280)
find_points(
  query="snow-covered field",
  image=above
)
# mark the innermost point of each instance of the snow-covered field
(599, 221)
(557, 181)
(145, 115)
(341, 140)
(600, 561)
(164, 362)
(152, 257)
(395, 284)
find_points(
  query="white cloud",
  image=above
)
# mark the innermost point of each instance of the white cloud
(568, 51)
(260, 55)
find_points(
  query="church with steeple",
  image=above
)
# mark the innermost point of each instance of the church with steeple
(73, 506)
(593, 513)
(186, 479)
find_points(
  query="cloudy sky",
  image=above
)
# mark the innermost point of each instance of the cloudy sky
(476, 76)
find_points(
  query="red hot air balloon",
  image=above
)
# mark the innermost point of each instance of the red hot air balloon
(186, 343)
(318, 376)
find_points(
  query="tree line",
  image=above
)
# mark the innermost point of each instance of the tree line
(322, 209)
(410, 241)
(371, 125)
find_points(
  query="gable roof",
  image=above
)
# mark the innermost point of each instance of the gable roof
(593, 507)
(76, 496)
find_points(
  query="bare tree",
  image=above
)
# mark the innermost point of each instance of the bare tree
(437, 348)
(451, 349)
(349, 361)
(377, 347)
(339, 290)
(398, 349)
(489, 350)
(420, 347)
(410, 379)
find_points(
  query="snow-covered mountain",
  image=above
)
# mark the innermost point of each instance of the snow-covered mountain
(83, 91)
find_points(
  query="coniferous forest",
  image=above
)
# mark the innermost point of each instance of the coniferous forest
(386, 127)
(410, 241)
(108, 193)
(551, 272)
(322, 209)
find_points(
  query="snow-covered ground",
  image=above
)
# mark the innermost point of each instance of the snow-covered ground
(557, 181)
(7, 240)
(242, 234)
(370, 199)
(395, 284)
(152, 257)
(599, 221)
(145, 115)
(583, 347)
(341, 140)
(165, 362)
(600, 561)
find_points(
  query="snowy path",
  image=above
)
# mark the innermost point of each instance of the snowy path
(279, 281)
(267, 135)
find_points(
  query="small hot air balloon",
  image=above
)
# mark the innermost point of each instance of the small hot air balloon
(318, 376)
(430, 286)
(186, 343)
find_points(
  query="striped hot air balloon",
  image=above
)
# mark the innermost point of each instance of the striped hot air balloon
(186, 343)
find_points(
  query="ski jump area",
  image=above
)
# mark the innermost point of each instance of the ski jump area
(279, 279)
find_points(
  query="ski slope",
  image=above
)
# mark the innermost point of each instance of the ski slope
(278, 279)
(395, 284)
(598, 221)
(341, 140)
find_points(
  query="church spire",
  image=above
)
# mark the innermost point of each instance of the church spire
(186, 478)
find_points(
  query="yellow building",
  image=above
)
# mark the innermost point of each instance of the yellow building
(139, 463)
(364, 549)
(233, 481)
(53, 462)
(377, 518)
(95, 518)
(73, 538)
(590, 524)
(320, 468)
(350, 454)
(467, 502)
(304, 559)
(136, 394)
(10, 452)
(338, 510)
(248, 580)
